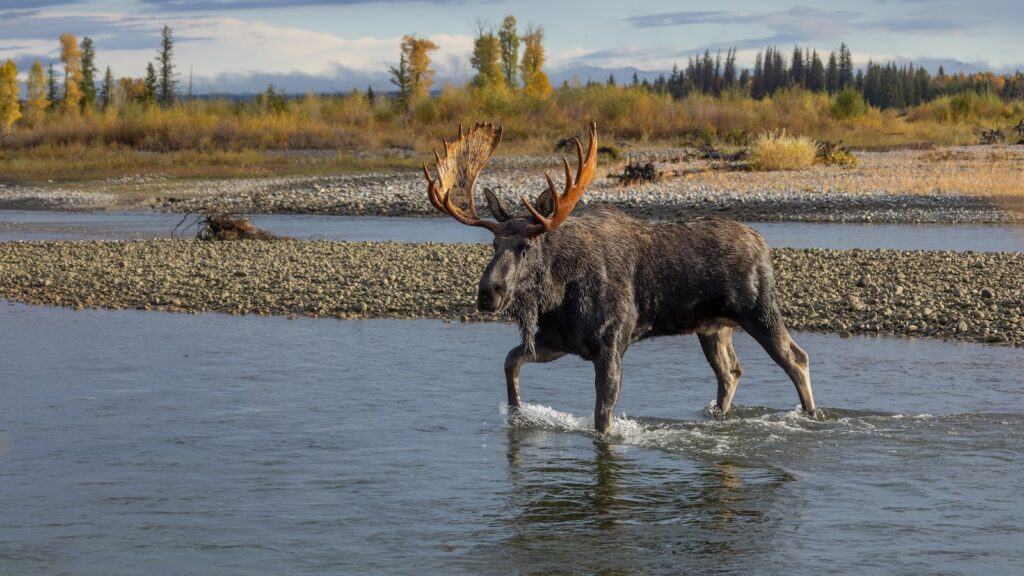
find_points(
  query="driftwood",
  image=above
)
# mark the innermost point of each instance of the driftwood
(216, 225)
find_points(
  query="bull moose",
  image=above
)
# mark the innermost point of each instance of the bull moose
(593, 284)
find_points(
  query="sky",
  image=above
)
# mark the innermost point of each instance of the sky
(337, 45)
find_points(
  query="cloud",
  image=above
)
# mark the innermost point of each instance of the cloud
(14, 4)
(222, 5)
(800, 23)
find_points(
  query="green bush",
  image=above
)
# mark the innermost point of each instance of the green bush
(848, 104)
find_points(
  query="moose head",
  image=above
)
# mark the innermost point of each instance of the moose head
(517, 239)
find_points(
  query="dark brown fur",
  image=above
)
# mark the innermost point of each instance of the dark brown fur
(602, 280)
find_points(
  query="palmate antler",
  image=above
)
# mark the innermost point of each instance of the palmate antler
(574, 188)
(465, 158)
(463, 161)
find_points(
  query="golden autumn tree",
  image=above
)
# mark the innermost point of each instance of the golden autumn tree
(10, 108)
(535, 81)
(36, 101)
(417, 57)
(71, 56)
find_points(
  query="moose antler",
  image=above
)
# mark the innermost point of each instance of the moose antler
(574, 188)
(463, 161)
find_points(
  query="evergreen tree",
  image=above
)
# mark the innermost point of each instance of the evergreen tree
(107, 90)
(51, 85)
(797, 74)
(757, 90)
(165, 56)
(370, 95)
(88, 74)
(36, 101)
(636, 80)
(832, 74)
(150, 84)
(611, 79)
(845, 67)
(729, 73)
(400, 77)
(509, 38)
(816, 74)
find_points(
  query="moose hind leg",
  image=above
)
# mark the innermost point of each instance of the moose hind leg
(775, 339)
(718, 350)
(515, 360)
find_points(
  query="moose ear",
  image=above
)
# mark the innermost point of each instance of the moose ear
(545, 203)
(497, 208)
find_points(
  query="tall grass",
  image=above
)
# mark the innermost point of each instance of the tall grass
(354, 123)
(780, 151)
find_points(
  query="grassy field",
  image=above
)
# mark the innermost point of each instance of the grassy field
(317, 135)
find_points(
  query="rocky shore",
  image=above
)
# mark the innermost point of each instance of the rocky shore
(950, 295)
(973, 185)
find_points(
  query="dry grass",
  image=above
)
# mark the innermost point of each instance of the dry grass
(780, 151)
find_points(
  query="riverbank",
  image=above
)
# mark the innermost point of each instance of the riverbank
(965, 185)
(959, 296)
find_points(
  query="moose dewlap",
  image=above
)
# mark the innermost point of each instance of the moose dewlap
(592, 284)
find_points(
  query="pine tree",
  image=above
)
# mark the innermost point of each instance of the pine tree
(370, 95)
(150, 84)
(845, 67)
(165, 56)
(486, 59)
(797, 74)
(107, 90)
(729, 73)
(52, 93)
(88, 74)
(400, 77)
(832, 74)
(636, 80)
(816, 74)
(10, 108)
(611, 80)
(509, 38)
(36, 101)
(71, 56)
(535, 81)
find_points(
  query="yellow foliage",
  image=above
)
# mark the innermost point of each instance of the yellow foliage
(71, 56)
(780, 151)
(10, 108)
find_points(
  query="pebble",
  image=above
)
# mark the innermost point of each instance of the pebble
(333, 279)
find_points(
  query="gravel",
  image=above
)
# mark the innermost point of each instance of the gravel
(966, 296)
(970, 185)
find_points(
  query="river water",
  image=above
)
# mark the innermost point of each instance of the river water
(49, 225)
(152, 443)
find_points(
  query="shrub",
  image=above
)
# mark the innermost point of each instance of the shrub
(780, 151)
(848, 104)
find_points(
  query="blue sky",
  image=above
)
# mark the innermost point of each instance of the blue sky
(242, 45)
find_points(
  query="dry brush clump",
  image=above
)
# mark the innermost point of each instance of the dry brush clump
(780, 151)
(222, 225)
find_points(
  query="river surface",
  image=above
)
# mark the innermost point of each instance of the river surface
(153, 443)
(50, 225)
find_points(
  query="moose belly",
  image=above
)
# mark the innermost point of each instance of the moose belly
(683, 325)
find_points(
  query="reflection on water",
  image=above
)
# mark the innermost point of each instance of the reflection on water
(43, 225)
(168, 444)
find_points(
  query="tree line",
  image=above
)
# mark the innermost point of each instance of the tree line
(882, 85)
(77, 90)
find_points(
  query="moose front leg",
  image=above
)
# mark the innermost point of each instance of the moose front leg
(515, 360)
(607, 380)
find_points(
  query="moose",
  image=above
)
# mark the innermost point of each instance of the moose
(593, 284)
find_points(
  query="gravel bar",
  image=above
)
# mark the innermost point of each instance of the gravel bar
(966, 185)
(965, 296)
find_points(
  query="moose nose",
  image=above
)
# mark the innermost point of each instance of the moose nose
(490, 297)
